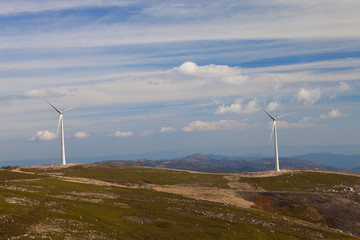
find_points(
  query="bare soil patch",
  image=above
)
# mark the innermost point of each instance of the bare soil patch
(227, 196)
(20, 201)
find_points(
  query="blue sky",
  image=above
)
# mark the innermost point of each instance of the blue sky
(164, 75)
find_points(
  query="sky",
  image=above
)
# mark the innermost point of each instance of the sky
(178, 76)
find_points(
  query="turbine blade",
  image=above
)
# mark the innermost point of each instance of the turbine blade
(60, 119)
(52, 106)
(272, 131)
(266, 111)
(285, 115)
(73, 107)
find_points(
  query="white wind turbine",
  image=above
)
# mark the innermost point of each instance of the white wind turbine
(61, 122)
(273, 131)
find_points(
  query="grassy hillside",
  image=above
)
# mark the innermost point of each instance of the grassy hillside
(136, 175)
(92, 201)
(304, 181)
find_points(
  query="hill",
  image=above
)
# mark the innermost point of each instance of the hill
(336, 160)
(97, 201)
(202, 163)
(324, 160)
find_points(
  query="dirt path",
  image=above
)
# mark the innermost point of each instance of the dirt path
(227, 196)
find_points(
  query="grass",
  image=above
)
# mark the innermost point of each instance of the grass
(138, 175)
(317, 197)
(10, 175)
(83, 211)
(304, 181)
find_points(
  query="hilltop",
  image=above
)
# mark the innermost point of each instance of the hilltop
(222, 164)
(97, 201)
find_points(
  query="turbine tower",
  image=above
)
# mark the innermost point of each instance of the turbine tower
(274, 132)
(61, 122)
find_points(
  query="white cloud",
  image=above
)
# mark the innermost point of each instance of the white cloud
(238, 107)
(233, 108)
(43, 135)
(340, 89)
(81, 135)
(167, 129)
(300, 124)
(188, 68)
(343, 87)
(309, 96)
(332, 114)
(230, 75)
(146, 133)
(35, 93)
(272, 106)
(305, 122)
(123, 134)
(305, 119)
(215, 125)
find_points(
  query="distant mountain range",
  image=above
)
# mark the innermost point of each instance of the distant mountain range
(223, 164)
(335, 160)
(218, 163)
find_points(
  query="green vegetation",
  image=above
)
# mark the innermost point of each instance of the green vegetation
(322, 198)
(139, 175)
(10, 175)
(301, 181)
(34, 206)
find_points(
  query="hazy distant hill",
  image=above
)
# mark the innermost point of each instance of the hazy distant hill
(199, 162)
(335, 160)
(219, 163)
(251, 156)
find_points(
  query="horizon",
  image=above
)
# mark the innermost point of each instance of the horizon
(158, 156)
(159, 77)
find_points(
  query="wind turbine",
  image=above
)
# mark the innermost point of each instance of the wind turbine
(61, 122)
(273, 132)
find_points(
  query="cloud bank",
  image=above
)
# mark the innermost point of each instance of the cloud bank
(150, 22)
